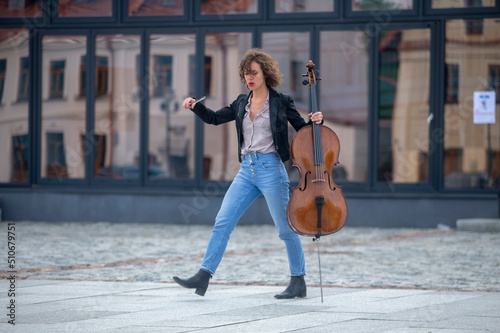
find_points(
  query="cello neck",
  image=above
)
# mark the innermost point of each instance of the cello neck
(318, 151)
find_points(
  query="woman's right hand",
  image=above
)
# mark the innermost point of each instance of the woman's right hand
(187, 103)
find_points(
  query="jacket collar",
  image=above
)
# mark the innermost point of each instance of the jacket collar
(273, 107)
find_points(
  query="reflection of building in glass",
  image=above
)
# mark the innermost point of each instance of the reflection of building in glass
(14, 128)
(404, 78)
(471, 151)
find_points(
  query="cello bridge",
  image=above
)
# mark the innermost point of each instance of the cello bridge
(319, 180)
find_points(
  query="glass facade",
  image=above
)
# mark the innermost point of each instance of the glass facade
(343, 99)
(398, 80)
(217, 7)
(155, 8)
(462, 3)
(303, 6)
(21, 9)
(222, 85)
(14, 106)
(85, 8)
(171, 127)
(471, 147)
(63, 109)
(117, 107)
(360, 5)
(403, 108)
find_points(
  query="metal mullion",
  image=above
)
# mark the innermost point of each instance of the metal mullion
(436, 127)
(144, 109)
(372, 110)
(34, 105)
(90, 95)
(199, 127)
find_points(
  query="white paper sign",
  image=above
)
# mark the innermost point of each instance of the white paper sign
(484, 107)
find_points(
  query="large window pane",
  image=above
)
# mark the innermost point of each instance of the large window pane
(63, 108)
(155, 8)
(10, 8)
(462, 3)
(471, 149)
(14, 87)
(117, 125)
(217, 7)
(171, 127)
(358, 5)
(344, 99)
(222, 86)
(303, 6)
(85, 8)
(291, 50)
(403, 110)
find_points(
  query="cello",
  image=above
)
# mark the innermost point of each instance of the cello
(317, 206)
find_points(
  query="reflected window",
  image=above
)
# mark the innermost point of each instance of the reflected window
(360, 5)
(403, 110)
(474, 27)
(63, 108)
(25, 8)
(24, 79)
(171, 127)
(85, 8)
(20, 151)
(495, 81)
(116, 108)
(14, 87)
(303, 6)
(220, 159)
(451, 82)
(462, 3)
(155, 7)
(57, 78)
(217, 7)
(471, 149)
(163, 74)
(343, 99)
(102, 70)
(56, 156)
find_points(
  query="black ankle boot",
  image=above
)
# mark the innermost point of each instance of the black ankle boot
(199, 281)
(296, 288)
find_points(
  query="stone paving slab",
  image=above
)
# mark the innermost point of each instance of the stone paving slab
(139, 307)
(354, 257)
(108, 277)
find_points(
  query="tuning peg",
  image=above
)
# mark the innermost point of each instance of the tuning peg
(316, 74)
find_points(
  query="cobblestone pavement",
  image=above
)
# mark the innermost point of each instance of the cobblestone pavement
(440, 259)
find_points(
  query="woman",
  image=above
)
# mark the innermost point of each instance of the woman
(261, 124)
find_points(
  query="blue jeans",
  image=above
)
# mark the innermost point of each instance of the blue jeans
(259, 174)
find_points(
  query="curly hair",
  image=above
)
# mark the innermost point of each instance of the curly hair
(267, 63)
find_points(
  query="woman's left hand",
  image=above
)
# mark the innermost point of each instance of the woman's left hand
(316, 117)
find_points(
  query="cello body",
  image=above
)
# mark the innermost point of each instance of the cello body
(317, 205)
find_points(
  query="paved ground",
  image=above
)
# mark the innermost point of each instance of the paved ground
(118, 277)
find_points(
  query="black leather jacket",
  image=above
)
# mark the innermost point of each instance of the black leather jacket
(281, 111)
